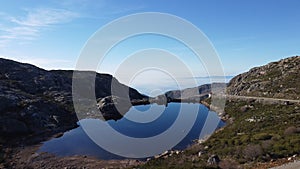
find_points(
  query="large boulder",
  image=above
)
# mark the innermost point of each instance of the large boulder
(114, 107)
(213, 160)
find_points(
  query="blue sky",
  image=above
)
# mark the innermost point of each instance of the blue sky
(245, 34)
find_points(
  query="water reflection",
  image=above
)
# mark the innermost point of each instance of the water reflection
(140, 122)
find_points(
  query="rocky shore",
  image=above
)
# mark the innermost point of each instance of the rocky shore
(36, 104)
(33, 100)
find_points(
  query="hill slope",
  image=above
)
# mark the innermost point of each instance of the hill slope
(33, 100)
(277, 79)
(257, 134)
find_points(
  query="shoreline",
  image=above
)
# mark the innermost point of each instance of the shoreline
(26, 150)
(45, 157)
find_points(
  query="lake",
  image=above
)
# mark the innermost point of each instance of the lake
(144, 121)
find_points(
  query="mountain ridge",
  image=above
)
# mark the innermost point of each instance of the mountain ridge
(34, 100)
(275, 79)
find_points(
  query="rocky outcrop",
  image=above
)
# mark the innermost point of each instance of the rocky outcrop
(190, 92)
(113, 107)
(33, 100)
(276, 80)
(195, 94)
(213, 160)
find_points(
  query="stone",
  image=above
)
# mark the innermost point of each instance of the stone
(213, 160)
(200, 153)
(114, 107)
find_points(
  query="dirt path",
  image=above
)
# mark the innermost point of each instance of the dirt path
(262, 98)
(292, 165)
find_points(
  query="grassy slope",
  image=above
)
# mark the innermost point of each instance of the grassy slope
(245, 143)
(273, 135)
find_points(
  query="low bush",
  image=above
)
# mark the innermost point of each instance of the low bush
(291, 130)
(262, 136)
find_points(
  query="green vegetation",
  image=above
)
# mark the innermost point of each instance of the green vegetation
(259, 134)
(255, 132)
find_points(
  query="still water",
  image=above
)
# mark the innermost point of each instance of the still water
(142, 121)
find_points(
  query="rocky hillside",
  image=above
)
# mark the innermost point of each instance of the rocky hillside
(279, 79)
(194, 94)
(190, 92)
(33, 100)
(258, 134)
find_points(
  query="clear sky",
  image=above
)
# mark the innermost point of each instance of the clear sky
(51, 34)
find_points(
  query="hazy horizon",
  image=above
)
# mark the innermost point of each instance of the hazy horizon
(52, 34)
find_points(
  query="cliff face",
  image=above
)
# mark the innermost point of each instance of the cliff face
(277, 80)
(33, 100)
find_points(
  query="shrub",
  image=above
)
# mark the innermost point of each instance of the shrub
(228, 164)
(237, 142)
(267, 144)
(291, 130)
(252, 152)
(295, 141)
(245, 139)
(262, 136)
(276, 137)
